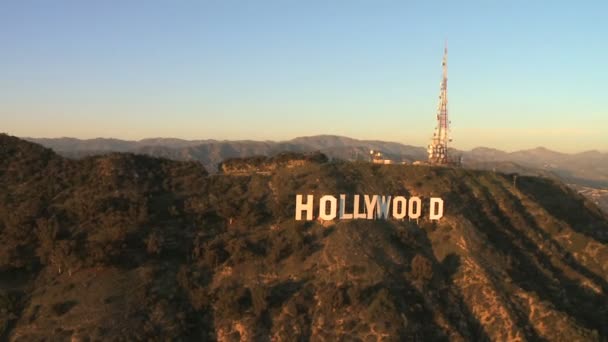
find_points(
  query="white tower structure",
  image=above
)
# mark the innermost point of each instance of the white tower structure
(438, 148)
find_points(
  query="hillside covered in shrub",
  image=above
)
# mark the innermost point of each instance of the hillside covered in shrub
(131, 247)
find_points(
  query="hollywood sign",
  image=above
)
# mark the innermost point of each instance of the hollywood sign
(376, 206)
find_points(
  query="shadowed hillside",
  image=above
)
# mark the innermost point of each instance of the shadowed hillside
(130, 247)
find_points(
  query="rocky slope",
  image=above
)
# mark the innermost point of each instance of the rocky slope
(129, 247)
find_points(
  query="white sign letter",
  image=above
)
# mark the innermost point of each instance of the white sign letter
(343, 214)
(399, 214)
(383, 206)
(356, 213)
(333, 202)
(418, 204)
(370, 205)
(436, 208)
(304, 207)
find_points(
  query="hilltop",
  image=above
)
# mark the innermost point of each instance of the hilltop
(134, 247)
(580, 170)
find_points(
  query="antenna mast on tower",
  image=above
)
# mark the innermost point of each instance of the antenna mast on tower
(438, 148)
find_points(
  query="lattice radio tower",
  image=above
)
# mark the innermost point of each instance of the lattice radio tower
(438, 148)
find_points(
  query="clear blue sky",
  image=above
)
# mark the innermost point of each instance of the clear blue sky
(522, 73)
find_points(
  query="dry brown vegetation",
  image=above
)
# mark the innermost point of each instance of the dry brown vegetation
(128, 247)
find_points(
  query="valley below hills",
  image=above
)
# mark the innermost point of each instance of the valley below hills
(586, 172)
(123, 246)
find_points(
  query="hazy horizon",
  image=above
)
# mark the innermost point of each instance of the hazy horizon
(521, 74)
(306, 136)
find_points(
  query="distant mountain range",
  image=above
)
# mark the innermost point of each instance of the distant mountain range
(581, 170)
(212, 152)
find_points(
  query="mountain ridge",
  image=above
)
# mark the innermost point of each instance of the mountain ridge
(585, 169)
(353, 141)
